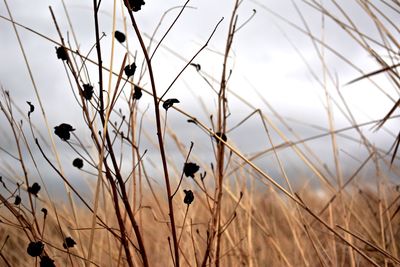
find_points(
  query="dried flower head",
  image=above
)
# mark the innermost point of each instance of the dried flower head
(46, 261)
(62, 53)
(69, 243)
(63, 131)
(190, 168)
(135, 5)
(189, 197)
(78, 163)
(169, 103)
(87, 91)
(17, 200)
(34, 189)
(137, 94)
(130, 69)
(119, 36)
(35, 249)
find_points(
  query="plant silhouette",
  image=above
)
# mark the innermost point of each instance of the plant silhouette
(64, 131)
(137, 94)
(87, 91)
(130, 70)
(119, 36)
(69, 243)
(34, 189)
(46, 261)
(31, 108)
(189, 197)
(190, 169)
(62, 53)
(169, 103)
(135, 5)
(78, 163)
(35, 249)
(17, 200)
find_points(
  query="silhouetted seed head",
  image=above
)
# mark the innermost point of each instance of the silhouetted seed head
(78, 163)
(130, 70)
(63, 131)
(34, 189)
(197, 66)
(135, 5)
(62, 53)
(189, 197)
(190, 168)
(169, 102)
(46, 261)
(119, 36)
(222, 136)
(44, 210)
(35, 249)
(69, 243)
(87, 91)
(137, 94)
(31, 108)
(17, 200)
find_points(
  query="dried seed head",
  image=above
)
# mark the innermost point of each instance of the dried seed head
(69, 243)
(135, 5)
(130, 70)
(169, 103)
(120, 36)
(35, 249)
(137, 94)
(190, 168)
(62, 53)
(34, 189)
(46, 261)
(63, 131)
(87, 91)
(189, 197)
(78, 163)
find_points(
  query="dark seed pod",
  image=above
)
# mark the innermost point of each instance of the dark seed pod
(17, 200)
(119, 36)
(130, 70)
(31, 108)
(35, 249)
(189, 197)
(190, 168)
(62, 53)
(169, 103)
(137, 94)
(135, 5)
(69, 243)
(44, 210)
(78, 163)
(87, 91)
(46, 261)
(63, 131)
(34, 189)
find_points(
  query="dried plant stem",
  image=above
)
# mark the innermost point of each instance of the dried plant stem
(160, 140)
(221, 124)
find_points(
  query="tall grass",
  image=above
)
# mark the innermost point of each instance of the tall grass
(226, 210)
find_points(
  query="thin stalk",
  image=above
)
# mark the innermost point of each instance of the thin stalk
(160, 139)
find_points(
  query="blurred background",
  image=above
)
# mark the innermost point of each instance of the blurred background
(288, 60)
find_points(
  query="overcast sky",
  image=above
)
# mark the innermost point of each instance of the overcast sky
(268, 56)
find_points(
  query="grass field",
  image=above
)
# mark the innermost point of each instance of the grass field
(123, 183)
